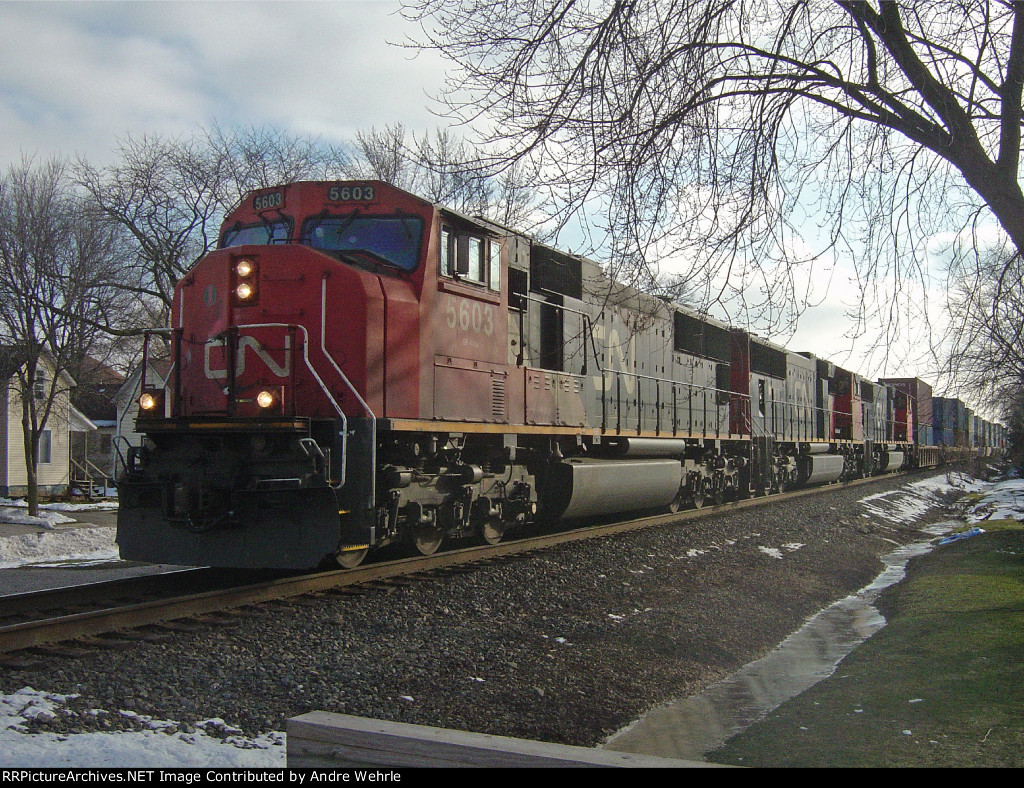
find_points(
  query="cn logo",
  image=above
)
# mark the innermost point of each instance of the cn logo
(280, 370)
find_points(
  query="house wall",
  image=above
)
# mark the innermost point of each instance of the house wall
(4, 440)
(54, 476)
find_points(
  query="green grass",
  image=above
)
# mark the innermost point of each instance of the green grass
(1004, 524)
(942, 684)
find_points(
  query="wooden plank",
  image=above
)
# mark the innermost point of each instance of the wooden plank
(326, 740)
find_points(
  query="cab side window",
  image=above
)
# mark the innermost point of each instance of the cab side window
(474, 259)
(475, 270)
(447, 267)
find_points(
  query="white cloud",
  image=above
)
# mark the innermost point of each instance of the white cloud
(74, 77)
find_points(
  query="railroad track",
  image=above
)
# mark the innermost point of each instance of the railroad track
(115, 613)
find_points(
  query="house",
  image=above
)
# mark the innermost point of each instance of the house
(54, 467)
(93, 447)
(127, 405)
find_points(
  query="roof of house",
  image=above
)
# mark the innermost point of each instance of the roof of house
(96, 401)
(12, 358)
(98, 384)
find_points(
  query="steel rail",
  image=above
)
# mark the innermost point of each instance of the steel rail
(88, 624)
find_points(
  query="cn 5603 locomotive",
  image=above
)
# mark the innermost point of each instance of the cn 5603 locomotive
(355, 366)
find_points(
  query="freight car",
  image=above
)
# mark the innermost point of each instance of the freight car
(355, 366)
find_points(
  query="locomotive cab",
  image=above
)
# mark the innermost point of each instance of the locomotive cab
(288, 344)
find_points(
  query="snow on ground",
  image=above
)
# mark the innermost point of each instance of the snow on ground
(46, 519)
(58, 506)
(1002, 501)
(911, 501)
(12, 511)
(163, 744)
(65, 544)
(55, 541)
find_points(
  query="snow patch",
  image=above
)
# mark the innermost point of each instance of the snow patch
(910, 502)
(1002, 501)
(95, 544)
(162, 745)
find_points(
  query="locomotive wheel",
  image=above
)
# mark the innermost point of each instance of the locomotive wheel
(426, 538)
(492, 531)
(699, 496)
(350, 559)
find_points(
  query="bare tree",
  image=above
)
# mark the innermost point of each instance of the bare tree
(1013, 416)
(163, 192)
(725, 134)
(445, 169)
(382, 154)
(170, 194)
(257, 157)
(986, 337)
(59, 267)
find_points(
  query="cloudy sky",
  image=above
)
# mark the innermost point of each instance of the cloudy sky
(77, 76)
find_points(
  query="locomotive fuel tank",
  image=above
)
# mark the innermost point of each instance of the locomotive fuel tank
(587, 487)
(819, 468)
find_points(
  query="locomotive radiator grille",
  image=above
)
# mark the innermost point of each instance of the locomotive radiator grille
(498, 398)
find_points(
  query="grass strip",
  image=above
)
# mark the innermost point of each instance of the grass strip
(942, 684)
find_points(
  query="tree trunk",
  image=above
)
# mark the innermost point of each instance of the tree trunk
(31, 442)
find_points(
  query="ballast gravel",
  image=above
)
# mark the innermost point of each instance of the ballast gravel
(563, 645)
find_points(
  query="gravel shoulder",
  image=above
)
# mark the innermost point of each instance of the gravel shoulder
(566, 645)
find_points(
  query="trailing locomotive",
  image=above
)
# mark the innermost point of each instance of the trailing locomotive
(355, 366)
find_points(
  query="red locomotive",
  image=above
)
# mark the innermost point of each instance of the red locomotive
(355, 366)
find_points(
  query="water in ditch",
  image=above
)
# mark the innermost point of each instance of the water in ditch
(698, 725)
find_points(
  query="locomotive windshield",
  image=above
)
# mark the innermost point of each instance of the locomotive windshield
(391, 240)
(262, 234)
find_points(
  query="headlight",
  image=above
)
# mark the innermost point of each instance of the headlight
(265, 399)
(245, 281)
(151, 404)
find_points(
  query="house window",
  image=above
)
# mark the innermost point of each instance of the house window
(39, 385)
(44, 454)
(495, 277)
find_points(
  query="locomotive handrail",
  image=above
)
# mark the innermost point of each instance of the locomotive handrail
(305, 355)
(319, 380)
(120, 458)
(175, 335)
(359, 399)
